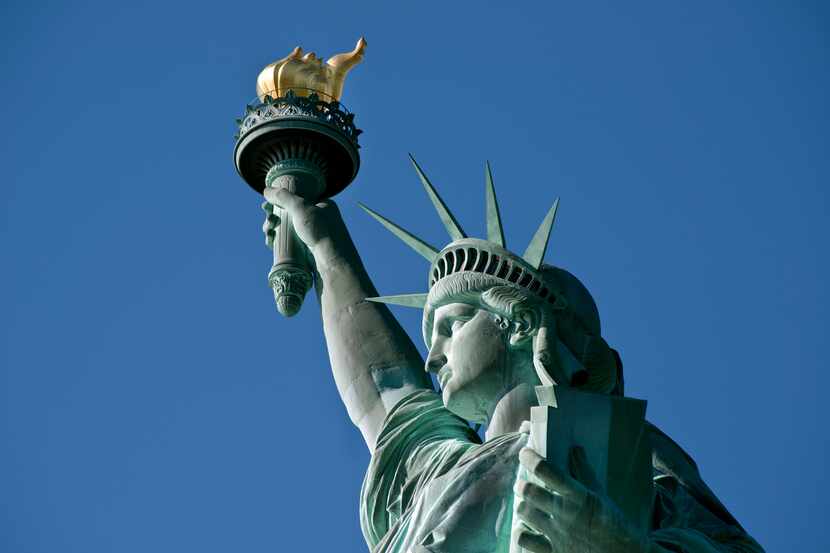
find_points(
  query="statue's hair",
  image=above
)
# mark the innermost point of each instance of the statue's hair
(507, 301)
(579, 351)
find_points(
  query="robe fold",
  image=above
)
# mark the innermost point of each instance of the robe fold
(433, 487)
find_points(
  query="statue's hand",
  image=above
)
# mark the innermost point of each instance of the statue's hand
(313, 223)
(570, 512)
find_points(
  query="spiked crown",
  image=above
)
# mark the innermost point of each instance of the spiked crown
(578, 355)
(487, 257)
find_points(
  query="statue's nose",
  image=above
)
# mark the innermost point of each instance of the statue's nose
(435, 363)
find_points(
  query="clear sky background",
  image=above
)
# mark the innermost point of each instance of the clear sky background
(152, 399)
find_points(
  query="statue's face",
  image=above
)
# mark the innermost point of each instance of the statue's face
(469, 358)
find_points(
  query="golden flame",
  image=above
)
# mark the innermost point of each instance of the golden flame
(307, 73)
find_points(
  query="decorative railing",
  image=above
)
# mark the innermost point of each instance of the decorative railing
(298, 103)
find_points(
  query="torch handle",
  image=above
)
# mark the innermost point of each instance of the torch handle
(291, 275)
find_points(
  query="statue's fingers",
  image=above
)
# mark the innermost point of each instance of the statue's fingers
(267, 207)
(533, 542)
(271, 196)
(271, 222)
(537, 496)
(582, 470)
(551, 477)
(269, 238)
(533, 518)
(284, 199)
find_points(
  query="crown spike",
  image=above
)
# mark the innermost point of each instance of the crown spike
(408, 238)
(452, 226)
(406, 300)
(495, 232)
(535, 252)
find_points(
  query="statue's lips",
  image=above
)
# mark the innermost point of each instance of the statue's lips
(444, 375)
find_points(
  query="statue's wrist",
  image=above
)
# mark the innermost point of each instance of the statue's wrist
(330, 253)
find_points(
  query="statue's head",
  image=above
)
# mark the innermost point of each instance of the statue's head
(493, 319)
(486, 335)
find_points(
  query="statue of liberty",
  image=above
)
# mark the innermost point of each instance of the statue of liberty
(508, 337)
(497, 325)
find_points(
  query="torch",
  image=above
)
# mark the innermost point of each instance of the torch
(298, 136)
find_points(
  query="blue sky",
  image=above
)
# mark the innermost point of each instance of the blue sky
(151, 399)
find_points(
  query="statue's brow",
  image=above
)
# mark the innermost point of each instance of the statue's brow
(455, 311)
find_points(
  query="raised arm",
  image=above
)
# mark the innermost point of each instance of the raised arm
(374, 362)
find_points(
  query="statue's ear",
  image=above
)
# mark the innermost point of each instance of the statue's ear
(525, 324)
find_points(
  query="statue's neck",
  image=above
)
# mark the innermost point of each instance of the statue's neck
(512, 409)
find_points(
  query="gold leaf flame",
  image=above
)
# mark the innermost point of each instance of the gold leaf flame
(307, 73)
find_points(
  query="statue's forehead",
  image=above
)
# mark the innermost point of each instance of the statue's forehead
(455, 309)
(436, 312)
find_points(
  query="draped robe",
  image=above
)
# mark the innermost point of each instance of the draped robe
(432, 486)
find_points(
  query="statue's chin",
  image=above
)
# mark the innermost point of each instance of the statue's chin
(461, 404)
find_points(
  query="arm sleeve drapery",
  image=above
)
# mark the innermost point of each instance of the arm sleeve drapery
(420, 441)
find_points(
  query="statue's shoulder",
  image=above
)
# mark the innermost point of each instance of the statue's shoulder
(673, 466)
(667, 454)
